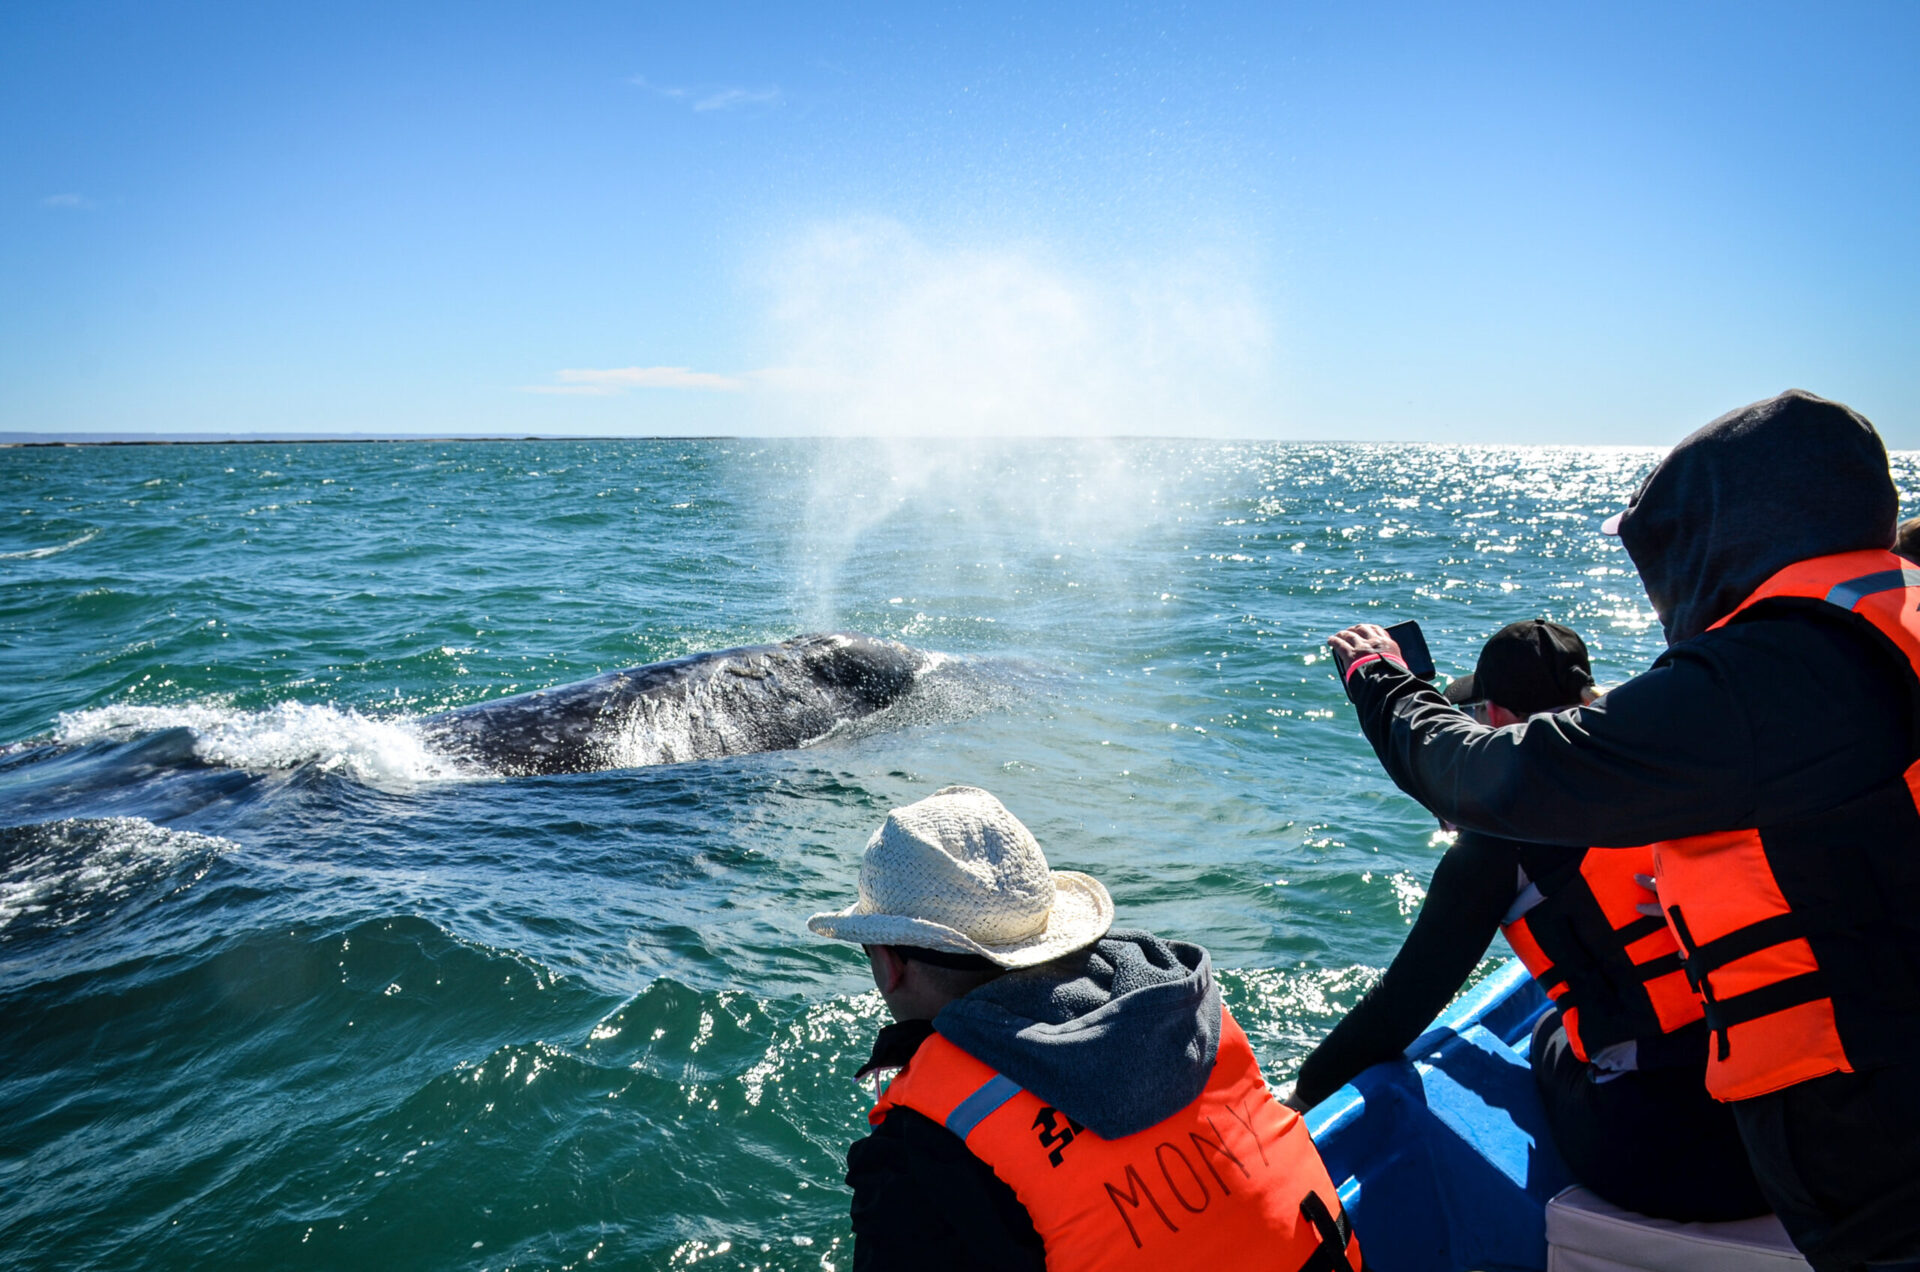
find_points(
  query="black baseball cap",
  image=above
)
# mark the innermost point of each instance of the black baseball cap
(1528, 667)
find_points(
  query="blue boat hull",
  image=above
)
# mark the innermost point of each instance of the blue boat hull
(1443, 1160)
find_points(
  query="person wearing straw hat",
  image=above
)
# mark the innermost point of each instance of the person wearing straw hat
(1055, 1092)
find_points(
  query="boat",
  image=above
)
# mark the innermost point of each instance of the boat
(1444, 1162)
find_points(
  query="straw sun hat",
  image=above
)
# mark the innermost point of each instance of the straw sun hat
(958, 872)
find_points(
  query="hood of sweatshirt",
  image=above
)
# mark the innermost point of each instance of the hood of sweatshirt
(1793, 477)
(1118, 1036)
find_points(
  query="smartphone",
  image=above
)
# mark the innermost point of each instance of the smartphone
(1413, 648)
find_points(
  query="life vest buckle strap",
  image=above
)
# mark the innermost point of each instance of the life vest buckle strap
(1336, 1232)
(1654, 968)
(1640, 929)
(1695, 967)
(1725, 1013)
(1696, 970)
(1751, 939)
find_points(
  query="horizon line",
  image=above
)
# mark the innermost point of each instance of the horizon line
(23, 440)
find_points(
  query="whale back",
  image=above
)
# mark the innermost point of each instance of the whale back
(875, 672)
(702, 706)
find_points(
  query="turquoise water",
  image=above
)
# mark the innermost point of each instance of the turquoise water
(285, 988)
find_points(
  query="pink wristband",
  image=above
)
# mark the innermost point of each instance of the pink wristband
(1362, 661)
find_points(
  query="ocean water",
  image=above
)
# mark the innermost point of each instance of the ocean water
(282, 987)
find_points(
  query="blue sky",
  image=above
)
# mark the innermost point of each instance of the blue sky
(1575, 223)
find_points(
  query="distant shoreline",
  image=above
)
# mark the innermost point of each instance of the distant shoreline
(26, 441)
(10, 441)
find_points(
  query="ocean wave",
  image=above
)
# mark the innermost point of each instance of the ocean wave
(61, 873)
(383, 753)
(704, 1080)
(34, 554)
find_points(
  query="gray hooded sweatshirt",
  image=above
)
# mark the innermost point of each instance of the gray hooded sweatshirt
(1117, 1036)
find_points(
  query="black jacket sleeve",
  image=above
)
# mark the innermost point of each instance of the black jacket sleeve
(1748, 725)
(1472, 888)
(923, 1203)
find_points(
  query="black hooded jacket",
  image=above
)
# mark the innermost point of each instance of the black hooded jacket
(1754, 723)
(1784, 715)
(1758, 489)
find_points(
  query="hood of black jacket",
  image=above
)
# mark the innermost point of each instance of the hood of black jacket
(1793, 477)
(1117, 1036)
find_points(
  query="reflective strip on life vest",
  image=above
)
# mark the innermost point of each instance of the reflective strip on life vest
(1853, 591)
(971, 1111)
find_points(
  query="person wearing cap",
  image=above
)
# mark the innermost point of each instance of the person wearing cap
(1906, 539)
(1524, 668)
(1055, 1092)
(1785, 826)
(1620, 1061)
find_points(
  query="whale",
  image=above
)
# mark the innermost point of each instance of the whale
(699, 707)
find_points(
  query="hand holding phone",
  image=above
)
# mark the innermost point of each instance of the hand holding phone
(1403, 642)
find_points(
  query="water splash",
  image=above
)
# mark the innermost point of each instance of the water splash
(922, 348)
(383, 753)
(880, 332)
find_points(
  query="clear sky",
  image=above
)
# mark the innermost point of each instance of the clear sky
(1525, 222)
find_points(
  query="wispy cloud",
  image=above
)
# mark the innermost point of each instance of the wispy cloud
(710, 98)
(70, 202)
(605, 382)
(659, 90)
(728, 98)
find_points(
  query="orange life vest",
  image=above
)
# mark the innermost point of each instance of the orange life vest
(1231, 1181)
(1614, 972)
(1797, 935)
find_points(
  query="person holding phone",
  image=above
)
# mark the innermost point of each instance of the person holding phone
(1785, 825)
(1620, 1061)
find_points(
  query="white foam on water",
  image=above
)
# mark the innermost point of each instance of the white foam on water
(59, 873)
(34, 554)
(389, 754)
